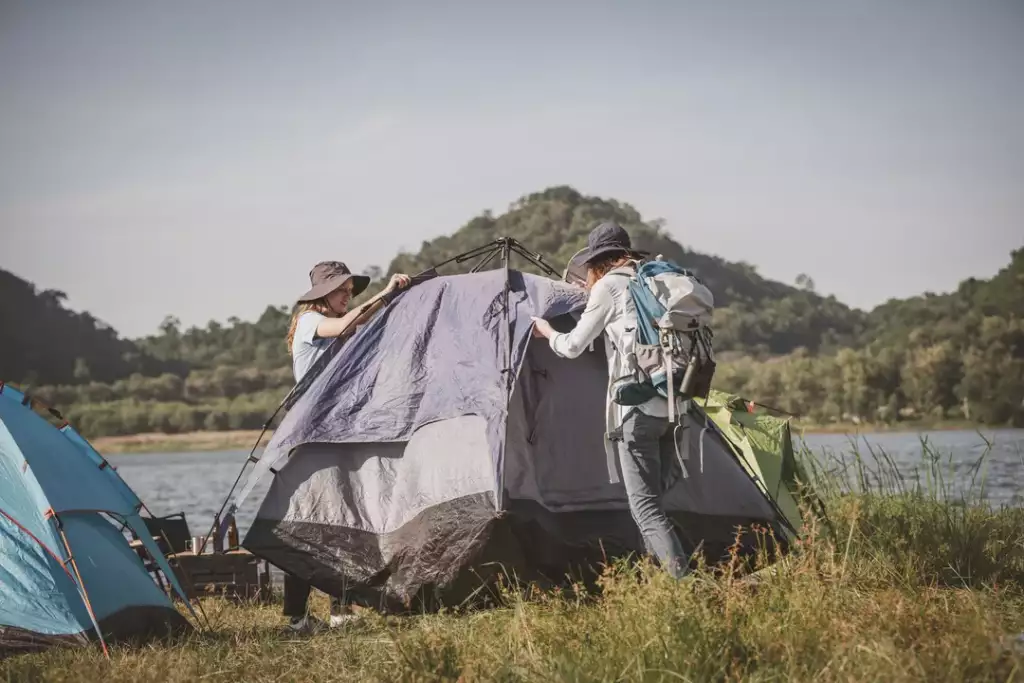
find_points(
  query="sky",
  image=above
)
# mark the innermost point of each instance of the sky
(196, 159)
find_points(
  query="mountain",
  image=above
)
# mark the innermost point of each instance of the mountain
(1003, 295)
(754, 314)
(556, 222)
(936, 356)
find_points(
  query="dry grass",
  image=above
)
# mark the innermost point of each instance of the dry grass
(889, 585)
(903, 589)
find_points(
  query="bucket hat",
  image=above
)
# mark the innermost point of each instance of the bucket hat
(327, 276)
(607, 238)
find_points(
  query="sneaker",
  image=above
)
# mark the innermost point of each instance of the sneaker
(305, 625)
(340, 620)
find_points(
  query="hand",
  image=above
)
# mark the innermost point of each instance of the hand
(398, 281)
(542, 328)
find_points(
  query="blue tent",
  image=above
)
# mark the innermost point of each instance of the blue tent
(67, 573)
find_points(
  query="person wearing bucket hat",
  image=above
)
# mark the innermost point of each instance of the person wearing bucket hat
(644, 434)
(607, 240)
(321, 315)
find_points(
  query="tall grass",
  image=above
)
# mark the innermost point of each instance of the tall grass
(905, 582)
(941, 527)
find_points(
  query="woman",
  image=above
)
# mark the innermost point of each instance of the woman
(646, 454)
(321, 316)
(322, 313)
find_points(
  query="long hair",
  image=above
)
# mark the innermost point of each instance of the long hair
(599, 268)
(318, 305)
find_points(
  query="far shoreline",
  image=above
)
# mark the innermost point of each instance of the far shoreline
(245, 439)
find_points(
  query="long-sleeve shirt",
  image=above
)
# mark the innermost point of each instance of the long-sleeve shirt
(609, 310)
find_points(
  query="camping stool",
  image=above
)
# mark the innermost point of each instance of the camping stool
(171, 535)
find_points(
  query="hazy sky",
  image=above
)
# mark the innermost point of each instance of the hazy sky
(196, 158)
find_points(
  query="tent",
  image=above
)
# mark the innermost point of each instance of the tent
(67, 573)
(442, 444)
(764, 444)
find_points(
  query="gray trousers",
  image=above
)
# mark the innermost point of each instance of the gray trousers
(647, 456)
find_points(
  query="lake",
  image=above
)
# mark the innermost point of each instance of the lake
(197, 483)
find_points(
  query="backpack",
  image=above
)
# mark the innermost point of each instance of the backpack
(672, 353)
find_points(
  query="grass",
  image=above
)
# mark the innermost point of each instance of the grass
(904, 583)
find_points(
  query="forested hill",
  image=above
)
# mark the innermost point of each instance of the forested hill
(940, 356)
(756, 314)
(42, 342)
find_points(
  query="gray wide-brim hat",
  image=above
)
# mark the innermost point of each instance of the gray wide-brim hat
(607, 238)
(327, 276)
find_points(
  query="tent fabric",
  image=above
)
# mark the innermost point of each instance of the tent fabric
(442, 349)
(56, 494)
(764, 443)
(442, 444)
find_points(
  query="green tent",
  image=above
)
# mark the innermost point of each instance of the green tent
(764, 445)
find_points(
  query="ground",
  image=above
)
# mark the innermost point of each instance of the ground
(893, 588)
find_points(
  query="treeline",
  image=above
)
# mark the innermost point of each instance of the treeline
(134, 416)
(947, 356)
(42, 342)
(977, 375)
(929, 378)
(220, 399)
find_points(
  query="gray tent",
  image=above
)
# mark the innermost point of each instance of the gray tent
(443, 443)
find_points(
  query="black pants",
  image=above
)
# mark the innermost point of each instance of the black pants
(296, 597)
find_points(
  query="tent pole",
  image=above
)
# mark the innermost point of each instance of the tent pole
(245, 465)
(81, 584)
(483, 262)
(505, 246)
(467, 255)
(534, 258)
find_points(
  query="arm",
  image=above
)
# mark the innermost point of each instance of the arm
(595, 318)
(347, 324)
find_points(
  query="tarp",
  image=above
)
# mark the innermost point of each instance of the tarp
(65, 569)
(450, 348)
(442, 443)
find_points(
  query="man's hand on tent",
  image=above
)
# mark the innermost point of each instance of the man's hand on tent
(542, 328)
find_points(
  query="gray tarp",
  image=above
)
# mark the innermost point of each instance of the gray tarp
(440, 351)
(409, 468)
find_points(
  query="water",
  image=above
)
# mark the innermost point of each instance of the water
(194, 483)
(954, 456)
(197, 483)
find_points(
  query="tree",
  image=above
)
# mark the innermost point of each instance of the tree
(929, 378)
(82, 373)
